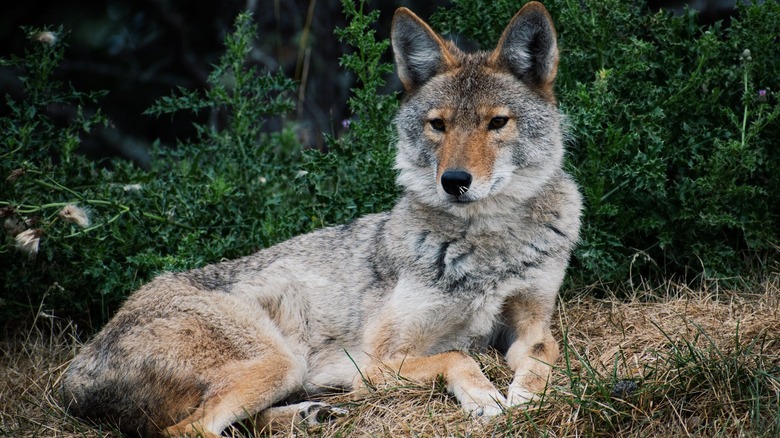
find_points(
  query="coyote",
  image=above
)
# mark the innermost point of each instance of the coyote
(473, 254)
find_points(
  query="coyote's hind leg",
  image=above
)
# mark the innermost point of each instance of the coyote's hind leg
(239, 390)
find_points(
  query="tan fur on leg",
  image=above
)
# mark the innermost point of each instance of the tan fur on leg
(534, 351)
(241, 389)
(464, 378)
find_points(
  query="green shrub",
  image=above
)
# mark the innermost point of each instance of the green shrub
(673, 146)
(356, 177)
(41, 175)
(227, 193)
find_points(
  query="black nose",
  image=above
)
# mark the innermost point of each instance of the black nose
(456, 182)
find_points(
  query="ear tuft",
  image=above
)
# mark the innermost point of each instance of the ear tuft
(528, 47)
(419, 52)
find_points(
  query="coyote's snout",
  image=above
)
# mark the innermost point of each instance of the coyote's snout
(472, 254)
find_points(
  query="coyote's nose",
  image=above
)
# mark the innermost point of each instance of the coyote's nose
(456, 182)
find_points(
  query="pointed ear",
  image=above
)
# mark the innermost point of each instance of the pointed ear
(419, 52)
(528, 47)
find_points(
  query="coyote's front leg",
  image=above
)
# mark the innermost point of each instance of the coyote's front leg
(534, 350)
(464, 379)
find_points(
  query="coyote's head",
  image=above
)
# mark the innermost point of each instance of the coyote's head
(477, 128)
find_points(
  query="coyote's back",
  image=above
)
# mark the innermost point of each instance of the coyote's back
(472, 254)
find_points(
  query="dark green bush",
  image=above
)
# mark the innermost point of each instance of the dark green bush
(227, 193)
(674, 147)
(356, 177)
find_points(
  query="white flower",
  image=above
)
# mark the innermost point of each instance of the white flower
(28, 241)
(47, 37)
(73, 214)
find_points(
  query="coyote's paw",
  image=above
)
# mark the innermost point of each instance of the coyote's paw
(485, 411)
(480, 402)
(519, 396)
(311, 413)
(316, 413)
(182, 430)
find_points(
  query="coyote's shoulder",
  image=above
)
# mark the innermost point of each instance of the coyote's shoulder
(472, 254)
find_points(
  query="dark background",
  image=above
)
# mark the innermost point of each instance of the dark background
(141, 50)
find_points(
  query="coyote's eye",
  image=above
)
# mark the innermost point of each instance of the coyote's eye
(497, 122)
(437, 124)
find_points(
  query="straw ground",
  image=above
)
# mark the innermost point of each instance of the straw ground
(668, 362)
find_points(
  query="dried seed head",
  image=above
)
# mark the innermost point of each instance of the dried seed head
(47, 37)
(15, 174)
(74, 214)
(132, 187)
(6, 211)
(28, 241)
(746, 54)
(13, 226)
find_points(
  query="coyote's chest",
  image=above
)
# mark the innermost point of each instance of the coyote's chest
(428, 320)
(475, 266)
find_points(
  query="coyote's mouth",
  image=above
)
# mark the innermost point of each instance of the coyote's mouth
(458, 200)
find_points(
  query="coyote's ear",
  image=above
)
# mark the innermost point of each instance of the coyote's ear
(419, 52)
(528, 47)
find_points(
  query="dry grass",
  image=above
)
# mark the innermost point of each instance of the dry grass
(671, 362)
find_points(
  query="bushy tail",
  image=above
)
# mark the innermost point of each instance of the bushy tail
(139, 403)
